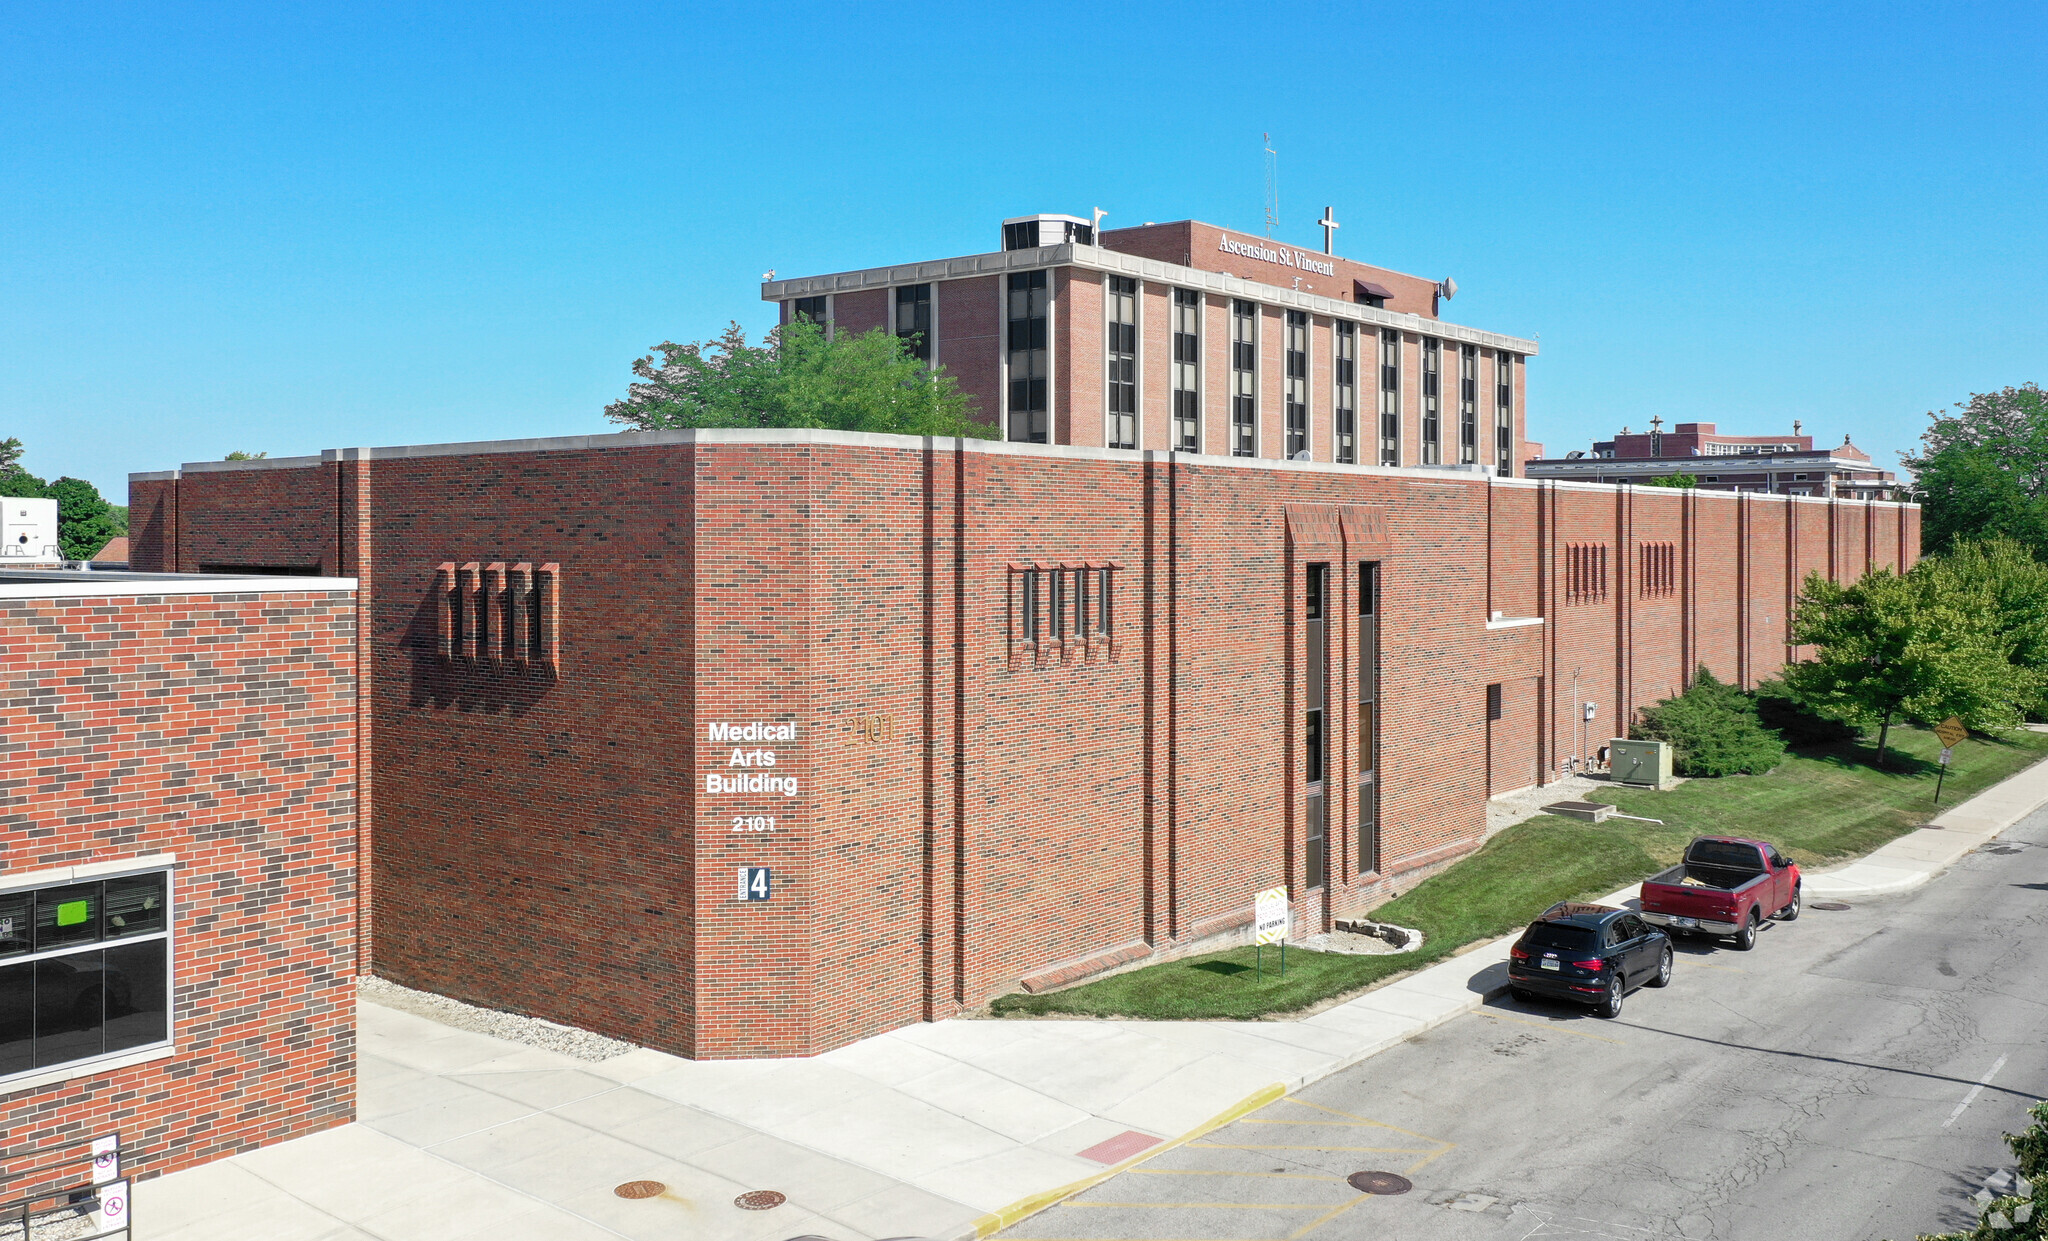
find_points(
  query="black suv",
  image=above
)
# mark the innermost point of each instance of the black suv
(1592, 954)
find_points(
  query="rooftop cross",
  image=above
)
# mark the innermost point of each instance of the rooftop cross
(1330, 227)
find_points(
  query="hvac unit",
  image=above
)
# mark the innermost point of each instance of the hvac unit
(1646, 764)
(28, 532)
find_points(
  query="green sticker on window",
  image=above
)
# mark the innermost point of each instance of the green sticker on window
(73, 913)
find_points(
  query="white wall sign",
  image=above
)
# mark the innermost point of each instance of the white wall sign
(113, 1212)
(1270, 917)
(1285, 256)
(106, 1159)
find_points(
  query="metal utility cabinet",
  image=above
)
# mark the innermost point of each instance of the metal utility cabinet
(1646, 764)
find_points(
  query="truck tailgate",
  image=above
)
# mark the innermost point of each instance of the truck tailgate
(1679, 901)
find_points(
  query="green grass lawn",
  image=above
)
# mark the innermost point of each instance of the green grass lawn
(1825, 804)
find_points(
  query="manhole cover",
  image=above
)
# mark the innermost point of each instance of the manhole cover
(759, 1200)
(640, 1189)
(1833, 907)
(1380, 1183)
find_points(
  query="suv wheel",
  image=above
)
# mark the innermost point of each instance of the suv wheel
(1611, 1006)
(1745, 939)
(1663, 978)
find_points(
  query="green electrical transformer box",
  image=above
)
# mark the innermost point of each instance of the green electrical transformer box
(1646, 764)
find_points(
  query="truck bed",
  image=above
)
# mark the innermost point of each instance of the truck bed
(1696, 876)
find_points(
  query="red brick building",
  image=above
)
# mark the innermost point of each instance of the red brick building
(1196, 339)
(1773, 464)
(744, 743)
(177, 894)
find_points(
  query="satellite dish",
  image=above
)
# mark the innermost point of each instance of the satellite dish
(1447, 288)
(1300, 456)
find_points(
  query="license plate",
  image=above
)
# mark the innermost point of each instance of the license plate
(1549, 963)
(1685, 923)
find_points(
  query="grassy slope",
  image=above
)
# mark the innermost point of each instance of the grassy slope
(1821, 805)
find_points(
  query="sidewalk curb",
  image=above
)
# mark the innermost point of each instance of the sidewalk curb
(1950, 844)
(1024, 1208)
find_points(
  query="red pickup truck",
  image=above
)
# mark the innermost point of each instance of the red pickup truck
(1724, 887)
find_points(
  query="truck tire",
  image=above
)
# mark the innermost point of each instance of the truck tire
(1790, 913)
(1745, 939)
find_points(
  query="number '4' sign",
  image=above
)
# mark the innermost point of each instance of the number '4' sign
(753, 883)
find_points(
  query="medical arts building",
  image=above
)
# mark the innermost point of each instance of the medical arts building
(757, 742)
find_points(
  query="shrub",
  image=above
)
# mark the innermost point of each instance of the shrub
(1796, 722)
(1713, 730)
(2021, 1214)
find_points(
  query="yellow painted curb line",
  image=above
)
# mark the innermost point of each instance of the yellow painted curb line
(1024, 1208)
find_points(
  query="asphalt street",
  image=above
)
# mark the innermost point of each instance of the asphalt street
(1848, 1078)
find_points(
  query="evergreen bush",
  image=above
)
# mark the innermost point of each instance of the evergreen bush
(1713, 730)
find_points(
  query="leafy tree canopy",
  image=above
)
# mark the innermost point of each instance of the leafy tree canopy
(1673, 480)
(85, 521)
(1713, 730)
(239, 455)
(1908, 645)
(1983, 470)
(798, 376)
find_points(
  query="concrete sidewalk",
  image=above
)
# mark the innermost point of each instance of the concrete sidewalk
(1918, 856)
(946, 1130)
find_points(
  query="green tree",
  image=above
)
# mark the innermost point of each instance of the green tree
(1673, 480)
(1983, 470)
(1783, 713)
(1892, 645)
(798, 376)
(1713, 730)
(2005, 582)
(85, 521)
(239, 455)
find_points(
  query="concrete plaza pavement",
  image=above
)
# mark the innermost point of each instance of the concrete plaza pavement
(944, 1130)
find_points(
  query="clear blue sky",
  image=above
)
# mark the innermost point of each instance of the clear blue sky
(300, 226)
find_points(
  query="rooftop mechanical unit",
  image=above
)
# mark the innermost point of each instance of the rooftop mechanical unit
(28, 532)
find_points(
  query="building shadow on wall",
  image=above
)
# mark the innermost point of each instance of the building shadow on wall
(463, 683)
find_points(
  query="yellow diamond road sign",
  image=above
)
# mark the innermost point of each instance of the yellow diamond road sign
(1951, 732)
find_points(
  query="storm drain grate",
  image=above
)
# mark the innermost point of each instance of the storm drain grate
(759, 1200)
(1382, 1183)
(1833, 907)
(641, 1189)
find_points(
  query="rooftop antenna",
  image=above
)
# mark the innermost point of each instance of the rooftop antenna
(1272, 184)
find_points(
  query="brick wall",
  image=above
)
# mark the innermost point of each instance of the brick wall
(971, 813)
(219, 729)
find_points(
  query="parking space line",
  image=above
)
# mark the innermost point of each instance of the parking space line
(1371, 1150)
(1545, 1025)
(1190, 1206)
(1326, 1217)
(1274, 1176)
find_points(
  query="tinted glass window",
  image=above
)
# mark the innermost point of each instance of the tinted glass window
(17, 923)
(71, 1013)
(1560, 937)
(1724, 853)
(83, 996)
(17, 1017)
(67, 916)
(138, 1003)
(135, 906)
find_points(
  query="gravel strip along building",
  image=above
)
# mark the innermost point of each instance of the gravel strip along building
(753, 743)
